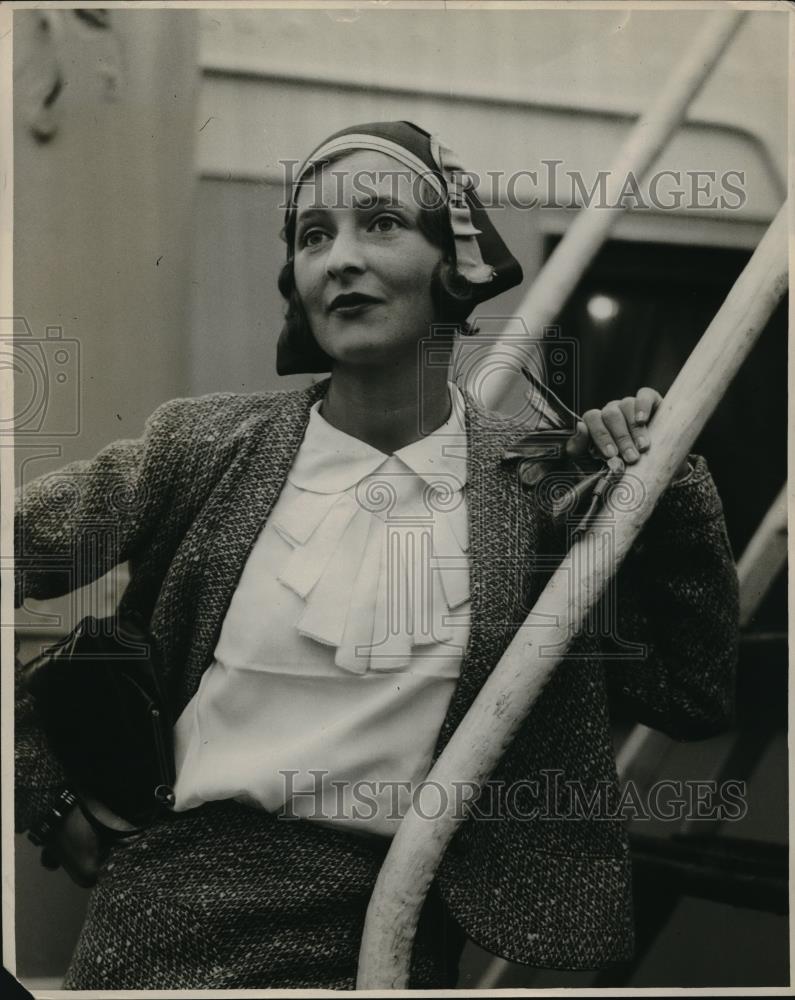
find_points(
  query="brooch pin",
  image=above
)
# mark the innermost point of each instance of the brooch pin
(543, 451)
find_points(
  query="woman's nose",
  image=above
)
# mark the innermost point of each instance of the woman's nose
(345, 254)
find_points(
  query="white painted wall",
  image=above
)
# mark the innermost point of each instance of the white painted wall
(103, 218)
(506, 89)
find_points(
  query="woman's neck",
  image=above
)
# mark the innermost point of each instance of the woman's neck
(386, 412)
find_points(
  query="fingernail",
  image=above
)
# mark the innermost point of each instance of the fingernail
(631, 455)
(643, 441)
(610, 450)
(640, 417)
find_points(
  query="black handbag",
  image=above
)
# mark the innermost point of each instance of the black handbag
(100, 699)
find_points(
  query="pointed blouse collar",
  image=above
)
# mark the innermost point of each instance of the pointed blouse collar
(330, 461)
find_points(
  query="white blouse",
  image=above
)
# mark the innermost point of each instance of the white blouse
(343, 641)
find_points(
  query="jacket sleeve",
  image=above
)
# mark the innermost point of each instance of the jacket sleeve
(677, 601)
(70, 528)
(73, 525)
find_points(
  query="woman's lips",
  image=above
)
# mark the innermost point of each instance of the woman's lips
(352, 305)
(352, 310)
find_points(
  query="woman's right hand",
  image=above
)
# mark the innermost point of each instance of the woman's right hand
(78, 849)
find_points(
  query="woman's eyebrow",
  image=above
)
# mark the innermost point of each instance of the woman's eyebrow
(311, 214)
(367, 202)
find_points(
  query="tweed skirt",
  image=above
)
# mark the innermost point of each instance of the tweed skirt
(226, 896)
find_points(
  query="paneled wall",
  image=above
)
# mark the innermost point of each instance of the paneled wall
(507, 90)
(103, 209)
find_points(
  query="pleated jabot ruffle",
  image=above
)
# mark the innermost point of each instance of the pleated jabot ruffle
(378, 541)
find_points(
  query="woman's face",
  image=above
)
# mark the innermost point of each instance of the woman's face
(362, 267)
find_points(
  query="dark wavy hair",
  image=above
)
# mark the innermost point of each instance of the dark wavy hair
(451, 293)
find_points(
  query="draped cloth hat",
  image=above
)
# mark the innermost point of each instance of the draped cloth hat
(481, 256)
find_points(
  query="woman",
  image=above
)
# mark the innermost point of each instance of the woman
(277, 545)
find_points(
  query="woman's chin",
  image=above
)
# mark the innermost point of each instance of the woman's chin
(360, 351)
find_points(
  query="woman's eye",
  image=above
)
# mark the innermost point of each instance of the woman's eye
(312, 237)
(386, 224)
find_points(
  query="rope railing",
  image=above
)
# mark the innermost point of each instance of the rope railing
(512, 688)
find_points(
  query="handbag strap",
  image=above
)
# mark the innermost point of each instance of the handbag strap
(109, 834)
(164, 795)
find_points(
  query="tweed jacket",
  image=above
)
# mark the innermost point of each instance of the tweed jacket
(546, 886)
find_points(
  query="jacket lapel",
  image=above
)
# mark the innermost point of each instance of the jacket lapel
(235, 515)
(499, 537)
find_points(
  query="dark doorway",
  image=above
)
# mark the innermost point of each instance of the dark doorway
(636, 315)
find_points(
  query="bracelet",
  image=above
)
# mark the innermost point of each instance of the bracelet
(42, 832)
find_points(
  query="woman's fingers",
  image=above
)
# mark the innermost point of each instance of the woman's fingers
(618, 428)
(577, 444)
(646, 402)
(639, 410)
(616, 424)
(637, 430)
(601, 438)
